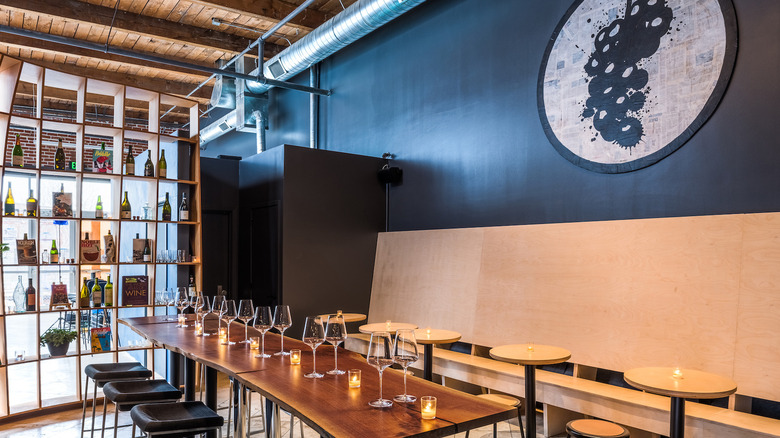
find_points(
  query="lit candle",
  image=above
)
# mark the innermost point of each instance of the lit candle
(254, 343)
(182, 321)
(223, 334)
(428, 407)
(388, 324)
(354, 378)
(530, 346)
(198, 328)
(295, 357)
(677, 373)
(338, 313)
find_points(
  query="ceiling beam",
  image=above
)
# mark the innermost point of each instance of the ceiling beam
(49, 46)
(273, 10)
(135, 23)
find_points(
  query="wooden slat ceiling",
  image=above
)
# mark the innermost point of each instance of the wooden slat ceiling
(181, 30)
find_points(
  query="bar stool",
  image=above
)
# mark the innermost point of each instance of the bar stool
(102, 373)
(504, 400)
(165, 419)
(127, 394)
(590, 428)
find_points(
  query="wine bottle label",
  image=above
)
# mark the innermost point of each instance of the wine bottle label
(99, 214)
(18, 160)
(184, 215)
(125, 214)
(130, 169)
(163, 172)
(32, 207)
(147, 257)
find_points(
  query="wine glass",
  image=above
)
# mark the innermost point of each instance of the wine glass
(335, 333)
(404, 354)
(263, 322)
(380, 356)
(228, 314)
(282, 321)
(170, 301)
(182, 302)
(313, 336)
(216, 308)
(246, 311)
(201, 308)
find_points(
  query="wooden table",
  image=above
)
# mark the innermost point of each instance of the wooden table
(680, 384)
(328, 405)
(428, 337)
(348, 317)
(384, 327)
(530, 355)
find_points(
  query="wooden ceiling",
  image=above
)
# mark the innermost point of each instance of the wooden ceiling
(197, 32)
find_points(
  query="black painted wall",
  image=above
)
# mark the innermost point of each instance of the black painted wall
(450, 89)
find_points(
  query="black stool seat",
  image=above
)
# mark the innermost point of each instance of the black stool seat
(592, 428)
(125, 393)
(175, 417)
(103, 372)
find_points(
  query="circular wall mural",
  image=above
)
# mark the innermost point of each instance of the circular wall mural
(624, 83)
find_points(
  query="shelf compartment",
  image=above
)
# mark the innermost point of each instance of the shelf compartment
(23, 386)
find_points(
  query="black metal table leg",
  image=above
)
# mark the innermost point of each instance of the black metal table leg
(211, 394)
(189, 379)
(530, 401)
(677, 421)
(428, 363)
(174, 362)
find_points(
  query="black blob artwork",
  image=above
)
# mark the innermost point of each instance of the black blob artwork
(616, 81)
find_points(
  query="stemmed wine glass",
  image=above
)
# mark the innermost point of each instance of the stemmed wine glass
(404, 354)
(201, 309)
(170, 301)
(282, 321)
(228, 314)
(216, 307)
(182, 302)
(380, 356)
(163, 300)
(246, 311)
(313, 336)
(263, 322)
(335, 333)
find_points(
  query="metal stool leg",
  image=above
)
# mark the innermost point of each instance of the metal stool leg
(84, 405)
(103, 428)
(116, 419)
(94, 399)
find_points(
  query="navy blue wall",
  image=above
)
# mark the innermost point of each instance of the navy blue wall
(450, 89)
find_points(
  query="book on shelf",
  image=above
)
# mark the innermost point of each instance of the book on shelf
(62, 204)
(90, 251)
(27, 254)
(102, 161)
(59, 296)
(101, 339)
(135, 290)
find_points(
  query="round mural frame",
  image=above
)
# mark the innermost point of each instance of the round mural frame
(731, 33)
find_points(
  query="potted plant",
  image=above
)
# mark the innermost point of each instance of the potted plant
(58, 340)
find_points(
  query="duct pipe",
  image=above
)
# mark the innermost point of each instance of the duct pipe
(259, 130)
(314, 114)
(359, 19)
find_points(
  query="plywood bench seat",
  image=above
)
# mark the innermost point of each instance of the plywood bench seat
(563, 396)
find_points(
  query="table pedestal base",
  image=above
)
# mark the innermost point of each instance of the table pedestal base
(530, 402)
(677, 421)
(428, 363)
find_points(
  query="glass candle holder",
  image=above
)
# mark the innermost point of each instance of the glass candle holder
(354, 378)
(254, 343)
(677, 373)
(428, 407)
(198, 328)
(295, 357)
(222, 334)
(182, 321)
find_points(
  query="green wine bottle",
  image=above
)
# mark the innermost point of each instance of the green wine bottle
(17, 158)
(108, 293)
(130, 161)
(32, 205)
(54, 255)
(184, 208)
(166, 210)
(147, 251)
(84, 297)
(59, 157)
(162, 166)
(10, 205)
(99, 209)
(97, 293)
(149, 166)
(126, 212)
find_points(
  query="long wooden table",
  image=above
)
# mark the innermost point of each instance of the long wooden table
(327, 405)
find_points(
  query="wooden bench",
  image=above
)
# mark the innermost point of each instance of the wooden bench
(695, 292)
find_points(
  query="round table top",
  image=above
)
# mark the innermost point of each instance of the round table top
(530, 354)
(436, 336)
(348, 317)
(689, 383)
(384, 327)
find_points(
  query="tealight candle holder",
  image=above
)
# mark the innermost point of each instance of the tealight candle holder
(182, 321)
(677, 373)
(354, 378)
(295, 357)
(198, 328)
(254, 343)
(223, 335)
(387, 323)
(530, 347)
(428, 407)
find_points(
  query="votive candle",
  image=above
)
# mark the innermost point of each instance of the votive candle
(198, 328)
(222, 334)
(254, 343)
(182, 321)
(295, 357)
(354, 378)
(677, 373)
(428, 407)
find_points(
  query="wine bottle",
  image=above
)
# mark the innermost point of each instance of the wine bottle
(130, 161)
(125, 212)
(184, 208)
(99, 209)
(108, 293)
(166, 209)
(147, 252)
(54, 255)
(10, 205)
(162, 166)
(97, 293)
(32, 205)
(17, 158)
(30, 297)
(191, 286)
(149, 166)
(59, 157)
(84, 298)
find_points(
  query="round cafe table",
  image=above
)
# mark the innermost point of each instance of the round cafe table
(385, 327)
(348, 317)
(429, 337)
(680, 384)
(530, 355)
